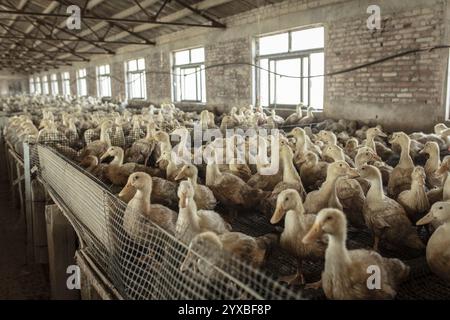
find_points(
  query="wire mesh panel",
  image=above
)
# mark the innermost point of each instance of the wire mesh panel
(143, 260)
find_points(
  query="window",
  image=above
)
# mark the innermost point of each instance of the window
(32, 90)
(66, 83)
(37, 85)
(135, 79)
(45, 85)
(54, 84)
(288, 63)
(189, 75)
(81, 83)
(103, 81)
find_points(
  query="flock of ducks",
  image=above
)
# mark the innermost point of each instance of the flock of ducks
(334, 175)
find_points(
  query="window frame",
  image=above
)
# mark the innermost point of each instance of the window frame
(63, 82)
(79, 79)
(289, 55)
(37, 85)
(200, 78)
(32, 86)
(101, 77)
(45, 87)
(54, 83)
(128, 91)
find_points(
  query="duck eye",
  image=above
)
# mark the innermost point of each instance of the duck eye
(340, 165)
(440, 208)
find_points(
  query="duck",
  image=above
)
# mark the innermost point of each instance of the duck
(415, 200)
(351, 147)
(322, 198)
(117, 172)
(400, 179)
(210, 249)
(309, 118)
(312, 171)
(140, 211)
(295, 118)
(432, 165)
(203, 196)
(385, 217)
(141, 150)
(99, 147)
(296, 226)
(347, 272)
(335, 153)
(444, 172)
(371, 135)
(191, 221)
(438, 247)
(229, 189)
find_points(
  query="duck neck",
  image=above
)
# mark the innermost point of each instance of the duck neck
(193, 180)
(417, 186)
(300, 145)
(212, 173)
(370, 142)
(118, 159)
(329, 185)
(143, 195)
(190, 213)
(104, 137)
(405, 158)
(360, 161)
(375, 192)
(338, 156)
(433, 162)
(290, 175)
(336, 254)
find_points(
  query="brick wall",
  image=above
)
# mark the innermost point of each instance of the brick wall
(158, 76)
(412, 82)
(229, 86)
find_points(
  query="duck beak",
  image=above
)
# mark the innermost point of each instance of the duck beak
(188, 260)
(422, 151)
(313, 234)
(426, 220)
(277, 215)
(382, 134)
(352, 173)
(104, 156)
(377, 157)
(181, 175)
(126, 190)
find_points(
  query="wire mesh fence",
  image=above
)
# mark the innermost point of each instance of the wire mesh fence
(151, 263)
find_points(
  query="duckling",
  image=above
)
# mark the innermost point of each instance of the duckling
(140, 211)
(438, 248)
(312, 171)
(230, 189)
(351, 147)
(213, 250)
(346, 275)
(295, 118)
(335, 153)
(317, 200)
(385, 217)
(309, 119)
(99, 147)
(141, 150)
(191, 221)
(296, 226)
(203, 196)
(400, 179)
(415, 201)
(432, 165)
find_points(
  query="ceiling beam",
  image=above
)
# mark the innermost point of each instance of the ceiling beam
(28, 37)
(112, 20)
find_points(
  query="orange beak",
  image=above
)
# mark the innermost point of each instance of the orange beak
(425, 220)
(180, 175)
(277, 215)
(313, 234)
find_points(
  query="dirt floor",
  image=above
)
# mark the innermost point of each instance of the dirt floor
(18, 280)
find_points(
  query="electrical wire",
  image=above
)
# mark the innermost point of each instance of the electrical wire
(233, 64)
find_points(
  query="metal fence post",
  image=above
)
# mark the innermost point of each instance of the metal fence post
(28, 204)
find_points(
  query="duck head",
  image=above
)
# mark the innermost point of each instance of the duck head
(206, 244)
(287, 200)
(418, 175)
(137, 181)
(328, 221)
(341, 169)
(400, 138)
(328, 137)
(369, 172)
(366, 155)
(439, 128)
(440, 211)
(430, 147)
(297, 133)
(445, 166)
(187, 171)
(351, 144)
(112, 152)
(375, 132)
